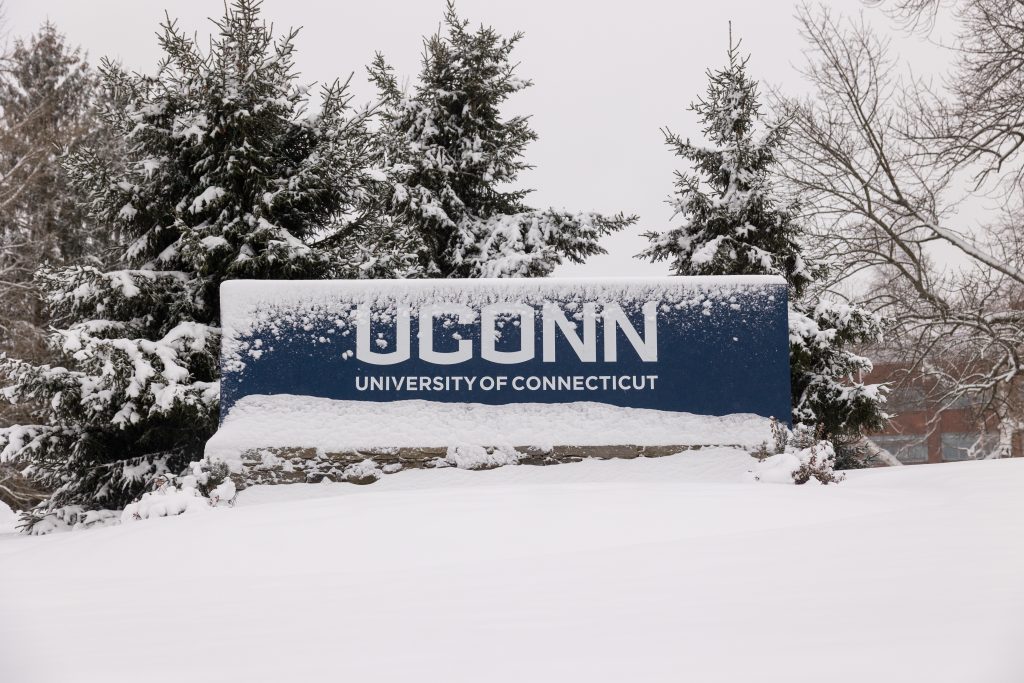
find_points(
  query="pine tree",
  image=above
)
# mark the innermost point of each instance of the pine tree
(224, 177)
(736, 222)
(448, 162)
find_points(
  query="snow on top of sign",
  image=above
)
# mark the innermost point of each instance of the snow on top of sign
(241, 297)
(251, 306)
(280, 421)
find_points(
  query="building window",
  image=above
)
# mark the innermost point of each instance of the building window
(907, 449)
(961, 445)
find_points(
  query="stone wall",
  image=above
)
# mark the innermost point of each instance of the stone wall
(310, 465)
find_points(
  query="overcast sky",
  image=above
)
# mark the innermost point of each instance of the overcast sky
(607, 76)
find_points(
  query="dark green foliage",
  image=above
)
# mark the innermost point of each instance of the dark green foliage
(736, 222)
(448, 163)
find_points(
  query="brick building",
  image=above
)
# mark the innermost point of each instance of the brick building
(921, 432)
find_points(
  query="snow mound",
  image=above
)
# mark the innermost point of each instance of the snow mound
(776, 469)
(283, 421)
(223, 493)
(474, 457)
(167, 502)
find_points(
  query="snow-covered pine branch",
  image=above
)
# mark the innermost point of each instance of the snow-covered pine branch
(529, 244)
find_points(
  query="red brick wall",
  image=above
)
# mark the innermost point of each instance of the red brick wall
(929, 423)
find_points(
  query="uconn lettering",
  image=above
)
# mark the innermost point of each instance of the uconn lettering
(554, 322)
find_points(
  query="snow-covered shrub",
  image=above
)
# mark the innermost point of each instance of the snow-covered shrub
(205, 488)
(223, 493)
(761, 451)
(167, 500)
(818, 462)
(212, 480)
(802, 437)
(210, 477)
(804, 456)
(780, 435)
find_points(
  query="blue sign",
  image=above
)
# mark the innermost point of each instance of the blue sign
(709, 346)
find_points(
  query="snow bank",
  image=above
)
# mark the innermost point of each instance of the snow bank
(284, 421)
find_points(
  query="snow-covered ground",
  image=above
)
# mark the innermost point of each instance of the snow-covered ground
(671, 569)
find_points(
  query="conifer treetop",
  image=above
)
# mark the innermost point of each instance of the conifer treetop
(734, 219)
(451, 162)
(227, 175)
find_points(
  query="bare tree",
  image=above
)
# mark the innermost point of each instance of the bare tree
(979, 119)
(47, 93)
(881, 157)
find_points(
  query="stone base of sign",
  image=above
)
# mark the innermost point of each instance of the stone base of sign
(310, 465)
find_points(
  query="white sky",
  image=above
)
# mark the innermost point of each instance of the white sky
(607, 75)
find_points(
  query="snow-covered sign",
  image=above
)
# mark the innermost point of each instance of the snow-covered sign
(709, 346)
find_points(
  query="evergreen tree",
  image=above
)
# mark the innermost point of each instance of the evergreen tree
(225, 177)
(447, 161)
(736, 222)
